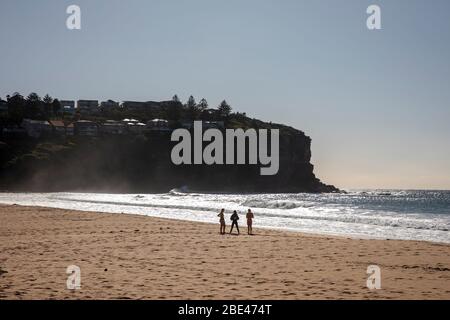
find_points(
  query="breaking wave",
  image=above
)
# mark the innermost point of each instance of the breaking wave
(409, 215)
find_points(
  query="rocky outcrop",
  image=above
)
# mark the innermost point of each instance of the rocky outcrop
(142, 164)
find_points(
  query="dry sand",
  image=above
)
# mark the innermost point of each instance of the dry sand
(137, 257)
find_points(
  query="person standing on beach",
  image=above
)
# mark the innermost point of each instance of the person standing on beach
(234, 217)
(250, 216)
(222, 221)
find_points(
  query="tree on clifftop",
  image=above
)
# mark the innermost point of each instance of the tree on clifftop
(56, 106)
(191, 104)
(33, 103)
(48, 109)
(47, 99)
(191, 108)
(175, 98)
(224, 109)
(16, 107)
(202, 105)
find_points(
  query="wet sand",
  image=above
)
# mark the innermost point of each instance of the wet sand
(138, 257)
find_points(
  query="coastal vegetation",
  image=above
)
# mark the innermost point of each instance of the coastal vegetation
(138, 161)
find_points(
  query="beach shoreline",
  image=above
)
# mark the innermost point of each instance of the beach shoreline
(125, 256)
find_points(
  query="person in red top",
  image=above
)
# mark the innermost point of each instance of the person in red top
(250, 216)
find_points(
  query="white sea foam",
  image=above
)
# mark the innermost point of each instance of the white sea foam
(409, 215)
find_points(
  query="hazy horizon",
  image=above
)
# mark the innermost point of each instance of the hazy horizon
(375, 103)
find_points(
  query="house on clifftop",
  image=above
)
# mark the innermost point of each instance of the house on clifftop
(36, 128)
(62, 129)
(86, 128)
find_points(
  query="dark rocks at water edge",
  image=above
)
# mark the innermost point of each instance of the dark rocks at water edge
(141, 163)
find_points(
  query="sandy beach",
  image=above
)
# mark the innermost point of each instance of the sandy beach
(137, 257)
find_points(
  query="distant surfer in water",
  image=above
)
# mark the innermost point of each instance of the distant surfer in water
(250, 216)
(234, 218)
(222, 221)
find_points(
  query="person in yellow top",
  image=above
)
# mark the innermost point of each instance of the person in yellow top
(250, 216)
(222, 221)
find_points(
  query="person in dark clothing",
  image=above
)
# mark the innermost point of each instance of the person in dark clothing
(234, 218)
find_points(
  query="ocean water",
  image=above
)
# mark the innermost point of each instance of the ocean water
(377, 214)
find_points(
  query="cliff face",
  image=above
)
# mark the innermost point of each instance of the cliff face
(143, 164)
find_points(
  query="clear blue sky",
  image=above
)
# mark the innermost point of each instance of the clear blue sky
(376, 103)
